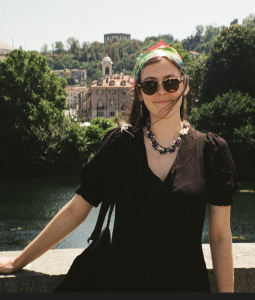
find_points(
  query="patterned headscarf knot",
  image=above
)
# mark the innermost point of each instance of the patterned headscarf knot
(160, 49)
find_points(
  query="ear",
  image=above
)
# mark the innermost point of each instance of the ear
(186, 90)
(139, 93)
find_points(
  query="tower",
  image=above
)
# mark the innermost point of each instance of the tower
(107, 66)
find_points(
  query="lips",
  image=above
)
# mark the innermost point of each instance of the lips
(162, 101)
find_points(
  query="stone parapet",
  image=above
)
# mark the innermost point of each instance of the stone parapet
(43, 274)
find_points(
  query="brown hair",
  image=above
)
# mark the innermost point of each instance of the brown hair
(134, 115)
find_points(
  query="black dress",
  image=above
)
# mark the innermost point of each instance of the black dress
(156, 243)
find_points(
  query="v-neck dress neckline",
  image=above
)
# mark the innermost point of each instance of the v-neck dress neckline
(179, 160)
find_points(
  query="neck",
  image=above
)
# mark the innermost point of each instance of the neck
(166, 128)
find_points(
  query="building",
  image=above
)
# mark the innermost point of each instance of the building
(76, 101)
(119, 36)
(104, 98)
(108, 96)
(194, 53)
(5, 49)
(80, 76)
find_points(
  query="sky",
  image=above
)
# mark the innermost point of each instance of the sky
(32, 23)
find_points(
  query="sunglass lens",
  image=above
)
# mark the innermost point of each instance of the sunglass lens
(149, 87)
(171, 85)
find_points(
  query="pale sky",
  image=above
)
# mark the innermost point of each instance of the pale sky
(31, 23)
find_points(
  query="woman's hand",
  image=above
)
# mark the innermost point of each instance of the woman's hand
(7, 265)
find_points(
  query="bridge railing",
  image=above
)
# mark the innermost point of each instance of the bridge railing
(43, 274)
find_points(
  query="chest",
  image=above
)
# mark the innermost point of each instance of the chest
(160, 164)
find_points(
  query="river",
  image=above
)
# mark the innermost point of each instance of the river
(27, 205)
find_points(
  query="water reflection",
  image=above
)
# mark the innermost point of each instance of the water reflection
(27, 205)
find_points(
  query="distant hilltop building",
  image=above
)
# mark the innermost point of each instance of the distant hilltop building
(80, 76)
(5, 49)
(119, 36)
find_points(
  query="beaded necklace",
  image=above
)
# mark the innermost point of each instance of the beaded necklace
(175, 144)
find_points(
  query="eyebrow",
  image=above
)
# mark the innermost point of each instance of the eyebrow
(167, 76)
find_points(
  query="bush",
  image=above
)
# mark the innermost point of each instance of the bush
(231, 116)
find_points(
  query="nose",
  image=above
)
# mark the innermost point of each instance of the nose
(160, 89)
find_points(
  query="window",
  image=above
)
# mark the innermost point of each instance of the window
(112, 102)
(99, 82)
(112, 82)
(100, 103)
(100, 92)
(100, 114)
(112, 92)
(111, 113)
(123, 82)
(124, 104)
(124, 92)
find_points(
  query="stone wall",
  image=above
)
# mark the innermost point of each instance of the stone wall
(46, 272)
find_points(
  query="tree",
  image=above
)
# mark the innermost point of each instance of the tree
(31, 97)
(71, 81)
(235, 21)
(59, 46)
(200, 30)
(232, 116)
(73, 45)
(44, 49)
(195, 72)
(96, 75)
(50, 62)
(249, 22)
(53, 49)
(230, 64)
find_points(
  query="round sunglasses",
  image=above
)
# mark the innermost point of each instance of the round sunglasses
(150, 87)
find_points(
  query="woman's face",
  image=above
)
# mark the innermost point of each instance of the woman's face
(159, 103)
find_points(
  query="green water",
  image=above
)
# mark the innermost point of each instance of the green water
(27, 205)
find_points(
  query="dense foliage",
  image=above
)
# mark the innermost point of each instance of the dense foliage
(36, 138)
(232, 117)
(230, 64)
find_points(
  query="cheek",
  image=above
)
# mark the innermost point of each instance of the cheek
(146, 99)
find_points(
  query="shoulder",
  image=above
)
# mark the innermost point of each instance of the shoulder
(114, 138)
(215, 141)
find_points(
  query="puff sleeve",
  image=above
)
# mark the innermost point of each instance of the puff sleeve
(96, 173)
(219, 169)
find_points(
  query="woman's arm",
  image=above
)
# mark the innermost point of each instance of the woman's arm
(220, 239)
(65, 221)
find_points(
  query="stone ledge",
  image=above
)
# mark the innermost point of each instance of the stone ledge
(43, 274)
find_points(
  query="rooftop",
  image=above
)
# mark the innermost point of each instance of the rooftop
(116, 80)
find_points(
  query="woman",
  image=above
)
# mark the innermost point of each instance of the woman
(161, 173)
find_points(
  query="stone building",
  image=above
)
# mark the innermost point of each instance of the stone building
(80, 76)
(76, 101)
(5, 49)
(108, 96)
(119, 36)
